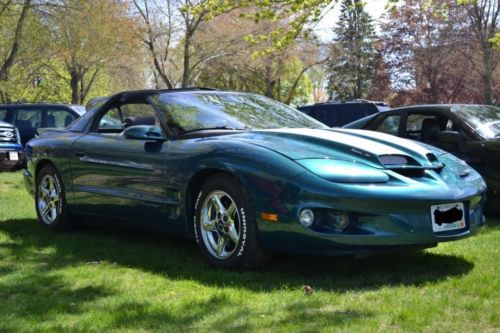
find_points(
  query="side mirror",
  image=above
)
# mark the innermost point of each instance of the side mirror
(450, 137)
(144, 132)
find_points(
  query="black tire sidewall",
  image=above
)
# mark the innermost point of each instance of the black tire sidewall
(60, 222)
(247, 221)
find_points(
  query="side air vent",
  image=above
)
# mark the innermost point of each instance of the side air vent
(8, 135)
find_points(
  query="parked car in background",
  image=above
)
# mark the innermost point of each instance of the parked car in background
(29, 117)
(336, 114)
(470, 132)
(245, 175)
(11, 149)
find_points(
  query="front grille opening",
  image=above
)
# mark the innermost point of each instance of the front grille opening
(8, 134)
(411, 173)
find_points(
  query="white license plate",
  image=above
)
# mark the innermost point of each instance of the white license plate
(13, 156)
(448, 217)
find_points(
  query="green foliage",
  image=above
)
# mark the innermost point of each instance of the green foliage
(352, 63)
(107, 278)
(297, 13)
(496, 40)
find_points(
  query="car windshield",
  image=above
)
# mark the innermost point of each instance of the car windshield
(80, 109)
(228, 110)
(485, 119)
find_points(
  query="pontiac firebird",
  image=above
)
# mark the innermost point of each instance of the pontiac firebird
(246, 176)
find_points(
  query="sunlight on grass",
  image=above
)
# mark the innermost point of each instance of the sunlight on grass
(105, 278)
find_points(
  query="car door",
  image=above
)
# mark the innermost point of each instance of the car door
(120, 177)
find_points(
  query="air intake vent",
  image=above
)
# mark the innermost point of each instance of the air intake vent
(392, 161)
(8, 134)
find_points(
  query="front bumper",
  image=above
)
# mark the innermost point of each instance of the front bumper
(382, 220)
(12, 157)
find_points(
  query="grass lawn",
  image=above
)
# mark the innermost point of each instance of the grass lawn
(108, 279)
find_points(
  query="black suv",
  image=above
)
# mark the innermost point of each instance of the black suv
(28, 118)
(336, 114)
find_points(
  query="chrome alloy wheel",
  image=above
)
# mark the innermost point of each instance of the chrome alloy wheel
(48, 199)
(220, 224)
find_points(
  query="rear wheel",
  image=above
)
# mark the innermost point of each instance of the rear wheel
(225, 226)
(50, 199)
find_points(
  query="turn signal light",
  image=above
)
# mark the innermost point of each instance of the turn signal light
(270, 217)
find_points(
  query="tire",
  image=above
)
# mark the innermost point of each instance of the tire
(50, 200)
(225, 226)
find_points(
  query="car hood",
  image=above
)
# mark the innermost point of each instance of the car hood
(378, 150)
(6, 124)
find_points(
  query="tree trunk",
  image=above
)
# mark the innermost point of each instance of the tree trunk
(9, 62)
(187, 58)
(74, 80)
(487, 76)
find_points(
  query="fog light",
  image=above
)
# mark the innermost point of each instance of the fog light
(339, 220)
(306, 217)
(343, 220)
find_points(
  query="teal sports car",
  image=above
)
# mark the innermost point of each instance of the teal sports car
(246, 176)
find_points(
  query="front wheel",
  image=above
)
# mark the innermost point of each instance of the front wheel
(50, 199)
(225, 225)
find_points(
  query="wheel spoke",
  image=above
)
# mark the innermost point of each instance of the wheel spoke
(231, 211)
(220, 207)
(233, 234)
(208, 225)
(45, 191)
(51, 184)
(221, 245)
(46, 208)
(53, 214)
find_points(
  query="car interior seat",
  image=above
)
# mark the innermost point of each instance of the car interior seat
(51, 121)
(134, 121)
(68, 120)
(430, 130)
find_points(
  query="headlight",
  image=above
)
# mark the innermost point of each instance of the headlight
(344, 171)
(455, 164)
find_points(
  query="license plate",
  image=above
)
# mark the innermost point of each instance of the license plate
(448, 217)
(13, 156)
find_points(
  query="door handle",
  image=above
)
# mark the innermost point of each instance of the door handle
(80, 154)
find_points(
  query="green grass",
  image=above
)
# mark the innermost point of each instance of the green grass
(109, 279)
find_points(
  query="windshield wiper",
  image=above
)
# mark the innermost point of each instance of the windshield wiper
(229, 128)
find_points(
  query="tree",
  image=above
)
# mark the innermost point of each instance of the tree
(169, 31)
(11, 50)
(88, 37)
(485, 23)
(380, 82)
(427, 55)
(280, 74)
(352, 55)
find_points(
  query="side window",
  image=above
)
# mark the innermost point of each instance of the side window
(415, 122)
(111, 122)
(142, 112)
(27, 119)
(3, 114)
(59, 118)
(115, 120)
(390, 125)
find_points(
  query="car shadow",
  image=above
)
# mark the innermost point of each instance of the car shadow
(179, 259)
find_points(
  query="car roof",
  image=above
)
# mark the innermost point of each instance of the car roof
(23, 105)
(445, 107)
